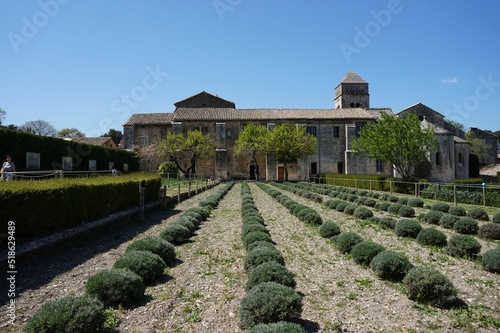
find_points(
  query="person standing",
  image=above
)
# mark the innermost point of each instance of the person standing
(8, 168)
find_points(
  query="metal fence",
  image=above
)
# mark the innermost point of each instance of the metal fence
(475, 194)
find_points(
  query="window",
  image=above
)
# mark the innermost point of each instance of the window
(438, 158)
(311, 130)
(336, 131)
(359, 127)
(460, 159)
(203, 130)
(380, 166)
(229, 134)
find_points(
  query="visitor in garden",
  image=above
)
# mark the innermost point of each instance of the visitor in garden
(8, 169)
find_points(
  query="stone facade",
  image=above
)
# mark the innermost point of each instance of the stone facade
(335, 129)
(490, 140)
(451, 159)
(352, 92)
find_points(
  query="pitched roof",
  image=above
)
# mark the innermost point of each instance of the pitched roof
(149, 119)
(204, 99)
(214, 114)
(352, 77)
(418, 106)
(98, 141)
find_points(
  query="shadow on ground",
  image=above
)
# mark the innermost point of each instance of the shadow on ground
(40, 269)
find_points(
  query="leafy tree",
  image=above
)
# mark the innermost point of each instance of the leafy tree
(252, 141)
(3, 115)
(70, 133)
(456, 124)
(477, 146)
(180, 146)
(116, 135)
(39, 127)
(287, 143)
(400, 141)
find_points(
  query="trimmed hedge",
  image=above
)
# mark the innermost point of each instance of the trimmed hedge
(65, 203)
(466, 225)
(364, 252)
(441, 207)
(346, 241)
(407, 228)
(391, 265)
(116, 286)
(448, 221)
(157, 246)
(270, 271)
(176, 234)
(489, 231)
(457, 210)
(262, 254)
(362, 213)
(75, 314)
(269, 302)
(431, 237)
(428, 285)
(478, 213)
(329, 229)
(491, 260)
(146, 264)
(463, 246)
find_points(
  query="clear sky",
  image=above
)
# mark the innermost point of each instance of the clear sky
(91, 64)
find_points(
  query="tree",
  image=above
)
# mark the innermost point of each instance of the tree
(456, 124)
(116, 135)
(252, 141)
(287, 143)
(70, 133)
(179, 147)
(400, 141)
(3, 115)
(477, 146)
(39, 127)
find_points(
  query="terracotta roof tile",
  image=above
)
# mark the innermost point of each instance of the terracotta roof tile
(149, 119)
(190, 114)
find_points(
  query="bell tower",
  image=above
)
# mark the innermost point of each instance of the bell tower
(352, 92)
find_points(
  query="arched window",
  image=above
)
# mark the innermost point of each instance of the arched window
(357, 105)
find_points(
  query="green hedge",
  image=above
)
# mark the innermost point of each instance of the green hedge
(45, 206)
(16, 144)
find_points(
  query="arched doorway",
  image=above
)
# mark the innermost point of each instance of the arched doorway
(253, 170)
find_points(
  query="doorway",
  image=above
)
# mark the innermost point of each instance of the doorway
(253, 169)
(281, 172)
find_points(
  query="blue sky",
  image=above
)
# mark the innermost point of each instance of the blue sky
(92, 64)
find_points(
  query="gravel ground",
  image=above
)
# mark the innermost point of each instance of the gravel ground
(203, 291)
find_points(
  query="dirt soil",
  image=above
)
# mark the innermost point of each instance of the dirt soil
(202, 292)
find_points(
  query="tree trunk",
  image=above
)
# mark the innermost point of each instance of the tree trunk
(256, 169)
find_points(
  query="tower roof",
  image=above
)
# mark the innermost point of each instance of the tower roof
(352, 77)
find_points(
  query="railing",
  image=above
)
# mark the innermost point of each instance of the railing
(43, 174)
(476, 194)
